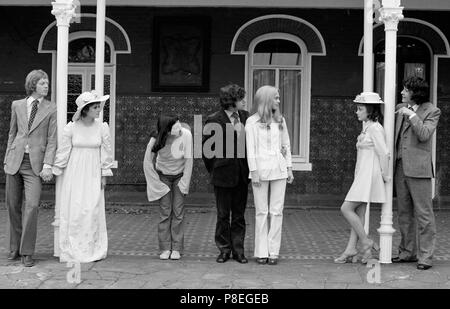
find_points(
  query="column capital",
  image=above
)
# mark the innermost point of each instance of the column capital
(391, 16)
(64, 11)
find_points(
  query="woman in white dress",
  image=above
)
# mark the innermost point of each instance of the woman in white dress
(83, 160)
(371, 172)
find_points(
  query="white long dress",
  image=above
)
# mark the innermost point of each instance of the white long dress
(371, 164)
(83, 157)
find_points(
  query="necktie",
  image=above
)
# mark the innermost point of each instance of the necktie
(236, 125)
(235, 117)
(33, 113)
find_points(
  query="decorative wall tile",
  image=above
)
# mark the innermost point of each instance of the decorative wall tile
(334, 129)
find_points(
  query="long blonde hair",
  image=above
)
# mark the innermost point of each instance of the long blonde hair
(264, 101)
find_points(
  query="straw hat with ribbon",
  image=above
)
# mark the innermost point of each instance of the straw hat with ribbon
(86, 98)
(368, 98)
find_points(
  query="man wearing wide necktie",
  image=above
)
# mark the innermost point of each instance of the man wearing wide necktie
(29, 156)
(416, 122)
(229, 172)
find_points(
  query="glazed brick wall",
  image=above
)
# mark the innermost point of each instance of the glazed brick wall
(334, 129)
(333, 136)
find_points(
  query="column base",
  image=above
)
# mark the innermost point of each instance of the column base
(386, 233)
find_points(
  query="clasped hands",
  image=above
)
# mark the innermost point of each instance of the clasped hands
(46, 174)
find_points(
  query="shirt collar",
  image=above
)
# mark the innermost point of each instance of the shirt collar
(415, 107)
(229, 113)
(30, 100)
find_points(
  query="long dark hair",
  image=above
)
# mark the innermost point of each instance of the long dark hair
(164, 126)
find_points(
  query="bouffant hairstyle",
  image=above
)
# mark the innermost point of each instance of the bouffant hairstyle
(32, 79)
(419, 88)
(230, 94)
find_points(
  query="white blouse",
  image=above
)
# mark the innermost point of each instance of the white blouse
(268, 148)
(176, 158)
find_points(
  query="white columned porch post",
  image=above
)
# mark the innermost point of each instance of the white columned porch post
(100, 49)
(368, 70)
(368, 46)
(63, 10)
(390, 15)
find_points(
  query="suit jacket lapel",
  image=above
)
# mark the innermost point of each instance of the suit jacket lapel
(398, 126)
(224, 117)
(23, 114)
(419, 113)
(242, 117)
(40, 115)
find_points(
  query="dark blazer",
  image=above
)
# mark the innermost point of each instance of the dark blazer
(41, 138)
(226, 171)
(417, 140)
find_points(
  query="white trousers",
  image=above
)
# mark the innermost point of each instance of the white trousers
(268, 228)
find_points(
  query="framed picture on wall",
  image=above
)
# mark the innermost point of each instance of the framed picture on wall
(181, 50)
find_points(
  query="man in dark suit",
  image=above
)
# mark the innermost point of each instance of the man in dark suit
(29, 157)
(416, 122)
(225, 159)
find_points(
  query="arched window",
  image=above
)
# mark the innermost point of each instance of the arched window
(279, 60)
(278, 49)
(83, 51)
(81, 66)
(81, 75)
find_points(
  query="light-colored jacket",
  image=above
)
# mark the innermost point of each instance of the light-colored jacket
(268, 150)
(417, 140)
(41, 138)
(155, 187)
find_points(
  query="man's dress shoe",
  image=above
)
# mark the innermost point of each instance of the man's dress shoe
(423, 266)
(27, 261)
(13, 255)
(240, 258)
(400, 260)
(223, 257)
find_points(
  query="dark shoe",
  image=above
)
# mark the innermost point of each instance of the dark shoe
(240, 258)
(423, 266)
(273, 261)
(27, 261)
(261, 261)
(399, 260)
(13, 255)
(223, 257)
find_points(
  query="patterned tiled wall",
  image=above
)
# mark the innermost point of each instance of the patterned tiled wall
(334, 129)
(443, 150)
(136, 118)
(333, 134)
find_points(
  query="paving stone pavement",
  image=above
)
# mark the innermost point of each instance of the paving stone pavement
(311, 238)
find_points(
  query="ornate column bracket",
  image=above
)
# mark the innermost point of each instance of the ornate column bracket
(391, 17)
(64, 11)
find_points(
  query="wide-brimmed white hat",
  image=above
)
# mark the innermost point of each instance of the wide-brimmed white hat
(86, 98)
(368, 98)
